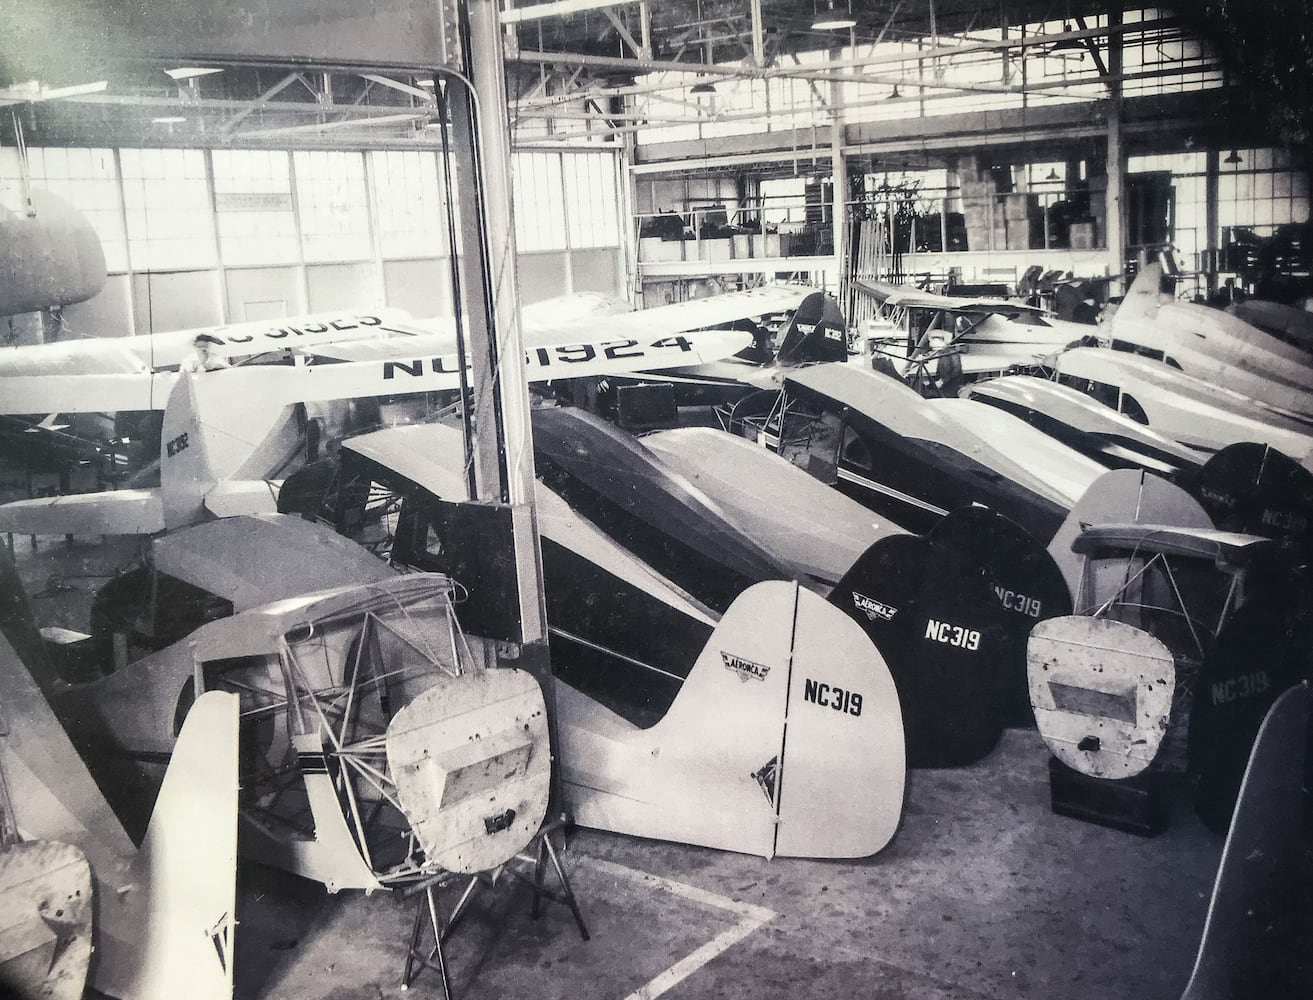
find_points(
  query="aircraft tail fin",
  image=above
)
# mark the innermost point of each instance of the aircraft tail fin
(815, 332)
(807, 762)
(210, 436)
(1143, 296)
(171, 932)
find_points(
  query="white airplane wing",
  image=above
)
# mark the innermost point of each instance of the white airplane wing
(153, 352)
(571, 323)
(394, 375)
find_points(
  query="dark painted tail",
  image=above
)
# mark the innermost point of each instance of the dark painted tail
(945, 637)
(815, 332)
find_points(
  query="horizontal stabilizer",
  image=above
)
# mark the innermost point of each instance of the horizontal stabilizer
(172, 934)
(115, 512)
(1122, 496)
(45, 920)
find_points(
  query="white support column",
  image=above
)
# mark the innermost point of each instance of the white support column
(1116, 157)
(839, 182)
(502, 391)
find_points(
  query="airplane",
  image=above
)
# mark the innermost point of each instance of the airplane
(1168, 608)
(1256, 489)
(815, 332)
(1064, 471)
(1110, 438)
(605, 499)
(164, 912)
(217, 457)
(1210, 344)
(939, 337)
(46, 378)
(1287, 323)
(1192, 412)
(357, 691)
(881, 443)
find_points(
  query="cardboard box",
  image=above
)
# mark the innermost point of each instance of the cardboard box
(741, 246)
(1082, 235)
(715, 249)
(653, 248)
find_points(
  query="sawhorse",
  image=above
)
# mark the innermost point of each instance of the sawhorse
(417, 961)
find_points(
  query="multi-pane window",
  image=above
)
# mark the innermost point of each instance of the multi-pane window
(253, 207)
(166, 201)
(333, 207)
(409, 205)
(539, 202)
(86, 178)
(590, 191)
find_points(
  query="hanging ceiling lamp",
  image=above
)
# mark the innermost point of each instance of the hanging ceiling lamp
(702, 87)
(1234, 158)
(832, 15)
(893, 94)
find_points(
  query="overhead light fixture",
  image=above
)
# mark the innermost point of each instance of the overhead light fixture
(1233, 158)
(702, 87)
(893, 94)
(833, 15)
(426, 82)
(169, 120)
(1053, 175)
(191, 72)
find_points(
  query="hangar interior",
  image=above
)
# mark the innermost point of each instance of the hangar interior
(423, 164)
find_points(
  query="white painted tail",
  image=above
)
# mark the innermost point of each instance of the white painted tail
(785, 738)
(212, 435)
(171, 933)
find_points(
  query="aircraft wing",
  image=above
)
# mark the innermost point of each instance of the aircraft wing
(152, 352)
(395, 375)
(546, 328)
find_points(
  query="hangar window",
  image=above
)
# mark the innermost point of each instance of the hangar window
(408, 196)
(590, 183)
(166, 201)
(253, 206)
(539, 202)
(87, 179)
(330, 197)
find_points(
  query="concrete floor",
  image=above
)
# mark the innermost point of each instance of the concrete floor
(984, 893)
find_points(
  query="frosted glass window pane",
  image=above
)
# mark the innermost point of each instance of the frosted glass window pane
(171, 225)
(409, 206)
(253, 195)
(539, 201)
(333, 206)
(590, 190)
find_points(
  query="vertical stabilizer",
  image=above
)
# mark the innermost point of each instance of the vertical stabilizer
(1124, 496)
(213, 433)
(784, 739)
(171, 933)
(1144, 296)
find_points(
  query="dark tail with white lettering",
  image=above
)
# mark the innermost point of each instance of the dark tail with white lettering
(946, 639)
(815, 332)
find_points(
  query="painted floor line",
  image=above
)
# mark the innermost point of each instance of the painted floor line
(750, 918)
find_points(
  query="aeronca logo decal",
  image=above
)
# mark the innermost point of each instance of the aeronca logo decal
(745, 669)
(874, 609)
